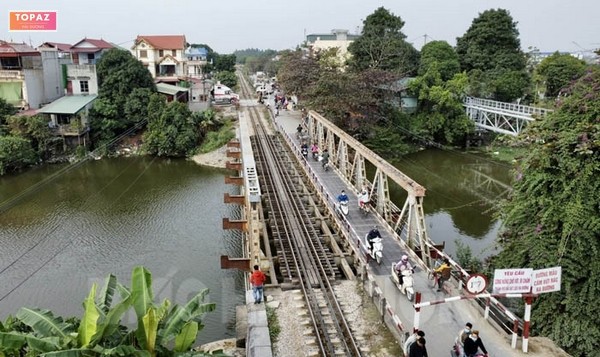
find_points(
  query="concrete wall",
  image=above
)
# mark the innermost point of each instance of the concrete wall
(33, 87)
(53, 83)
(82, 72)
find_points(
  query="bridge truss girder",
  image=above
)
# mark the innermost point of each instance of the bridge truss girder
(348, 157)
(497, 120)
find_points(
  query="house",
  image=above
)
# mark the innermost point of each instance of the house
(81, 73)
(163, 56)
(21, 75)
(195, 61)
(68, 117)
(396, 94)
(173, 93)
(54, 57)
(338, 38)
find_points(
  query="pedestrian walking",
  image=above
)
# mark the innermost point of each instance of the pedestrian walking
(418, 349)
(257, 279)
(412, 339)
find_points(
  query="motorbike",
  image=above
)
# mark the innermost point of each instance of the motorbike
(304, 152)
(458, 351)
(407, 282)
(364, 207)
(342, 208)
(377, 252)
(315, 155)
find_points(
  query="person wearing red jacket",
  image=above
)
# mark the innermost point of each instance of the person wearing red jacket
(257, 279)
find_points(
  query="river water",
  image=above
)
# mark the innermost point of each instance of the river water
(108, 216)
(59, 236)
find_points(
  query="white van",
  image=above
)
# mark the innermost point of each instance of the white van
(223, 94)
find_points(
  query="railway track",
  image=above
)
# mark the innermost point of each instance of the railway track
(304, 259)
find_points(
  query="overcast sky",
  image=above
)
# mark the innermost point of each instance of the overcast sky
(227, 25)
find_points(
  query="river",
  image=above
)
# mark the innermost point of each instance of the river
(108, 216)
(59, 236)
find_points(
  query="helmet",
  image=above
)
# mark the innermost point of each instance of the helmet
(374, 227)
(404, 257)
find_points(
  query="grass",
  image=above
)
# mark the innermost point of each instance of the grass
(273, 323)
(216, 139)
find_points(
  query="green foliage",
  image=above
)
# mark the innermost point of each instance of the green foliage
(227, 78)
(273, 323)
(387, 143)
(558, 70)
(173, 132)
(443, 54)
(224, 63)
(382, 45)
(441, 116)
(553, 216)
(6, 110)
(33, 128)
(119, 75)
(15, 153)
(297, 72)
(216, 139)
(163, 330)
(136, 106)
(465, 257)
(491, 46)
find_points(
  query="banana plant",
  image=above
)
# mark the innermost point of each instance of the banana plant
(162, 330)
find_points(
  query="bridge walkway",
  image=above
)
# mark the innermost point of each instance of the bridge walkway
(441, 322)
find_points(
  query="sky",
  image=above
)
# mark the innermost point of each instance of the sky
(549, 25)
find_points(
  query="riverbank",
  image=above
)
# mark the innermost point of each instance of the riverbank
(216, 158)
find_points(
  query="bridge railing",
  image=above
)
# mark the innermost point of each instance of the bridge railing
(510, 107)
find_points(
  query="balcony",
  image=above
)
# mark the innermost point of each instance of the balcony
(12, 75)
(69, 130)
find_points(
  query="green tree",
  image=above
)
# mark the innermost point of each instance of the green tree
(172, 133)
(15, 153)
(6, 110)
(225, 63)
(119, 74)
(227, 78)
(445, 56)
(491, 45)
(297, 72)
(382, 45)
(33, 128)
(136, 106)
(553, 216)
(558, 70)
(440, 116)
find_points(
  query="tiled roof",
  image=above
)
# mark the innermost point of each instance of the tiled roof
(63, 47)
(166, 42)
(17, 49)
(98, 44)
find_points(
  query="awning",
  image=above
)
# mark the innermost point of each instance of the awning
(68, 105)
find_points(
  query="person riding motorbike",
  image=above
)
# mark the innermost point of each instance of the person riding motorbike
(314, 149)
(373, 233)
(342, 196)
(363, 197)
(401, 266)
(325, 158)
(304, 149)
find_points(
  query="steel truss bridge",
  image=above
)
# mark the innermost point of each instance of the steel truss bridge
(349, 158)
(501, 117)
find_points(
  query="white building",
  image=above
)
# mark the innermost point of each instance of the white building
(339, 39)
(163, 55)
(81, 74)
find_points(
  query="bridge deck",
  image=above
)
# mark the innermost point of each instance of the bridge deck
(440, 322)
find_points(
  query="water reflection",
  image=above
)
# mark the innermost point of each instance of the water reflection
(108, 216)
(462, 190)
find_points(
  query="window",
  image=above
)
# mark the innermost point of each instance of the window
(84, 86)
(143, 54)
(161, 53)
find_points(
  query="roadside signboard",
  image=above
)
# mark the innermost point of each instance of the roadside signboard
(476, 284)
(546, 280)
(512, 281)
